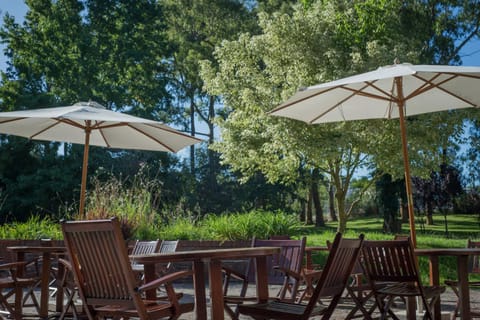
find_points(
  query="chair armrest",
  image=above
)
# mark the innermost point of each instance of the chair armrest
(66, 264)
(311, 273)
(288, 272)
(234, 274)
(167, 279)
(12, 265)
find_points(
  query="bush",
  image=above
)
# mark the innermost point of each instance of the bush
(33, 229)
(244, 226)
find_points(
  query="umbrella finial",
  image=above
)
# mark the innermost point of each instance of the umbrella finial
(396, 61)
(90, 103)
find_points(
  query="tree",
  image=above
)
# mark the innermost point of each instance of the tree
(67, 51)
(327, 40)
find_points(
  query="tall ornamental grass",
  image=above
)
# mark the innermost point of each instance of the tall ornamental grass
(131, 203)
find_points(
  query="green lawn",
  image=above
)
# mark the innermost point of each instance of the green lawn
(461, 228)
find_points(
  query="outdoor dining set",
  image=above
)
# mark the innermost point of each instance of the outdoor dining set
(94, 276)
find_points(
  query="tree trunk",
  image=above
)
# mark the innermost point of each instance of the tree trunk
(342, 213)
(212, 155)
(429, 215)
(192, 133)
(303, 209)
(331, 203)
(404, 211)
(319, 221)
(309, 217)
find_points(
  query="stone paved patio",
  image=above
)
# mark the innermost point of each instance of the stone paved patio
(448, 302)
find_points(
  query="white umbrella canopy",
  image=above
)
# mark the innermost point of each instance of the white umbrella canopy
(389, 92)
(89, 123)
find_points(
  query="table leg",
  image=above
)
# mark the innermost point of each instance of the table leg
(18, 290)
(199, 284)
(149, 274)
(216, 290)
(435, 281)
(463, 290)
(59, 295)
(44, 290)
(261, 278)
(308, 260)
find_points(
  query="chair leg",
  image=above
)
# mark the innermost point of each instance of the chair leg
(360, 301)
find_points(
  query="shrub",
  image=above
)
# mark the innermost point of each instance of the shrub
(34, 228)
(244, 226)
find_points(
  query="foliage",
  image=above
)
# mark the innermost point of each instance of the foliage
(34, 228)
(325, 41)
(143, 57)
(132, 205)
(259, 223)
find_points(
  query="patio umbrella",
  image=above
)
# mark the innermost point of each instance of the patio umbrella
(89, 123)
(389, 92)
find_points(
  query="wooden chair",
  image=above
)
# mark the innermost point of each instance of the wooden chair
(473, 268)
(9, 284)
(360, 290)
(392, 269)
(167, 246)
(143, 247)
(70, 290)
(104, 275)
(285, 270)
(331, 284)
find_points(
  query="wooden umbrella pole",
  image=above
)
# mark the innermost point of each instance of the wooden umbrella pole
(83, 187)
(406, 161)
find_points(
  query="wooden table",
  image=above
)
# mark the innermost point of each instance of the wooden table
(462, 255)
(46, 253)
(213, 258)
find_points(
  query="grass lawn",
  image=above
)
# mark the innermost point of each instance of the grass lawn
(460, 228)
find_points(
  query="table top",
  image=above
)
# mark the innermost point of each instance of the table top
(37, 249)
(447, 251)
(232, 253)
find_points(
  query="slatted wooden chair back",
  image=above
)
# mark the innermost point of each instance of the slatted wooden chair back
(100, 263)
(290, 257)
(168, 246)
(332, 282)
(341, 260)
(145, 247)
(104, 275)
(474, 260)
(390, 261)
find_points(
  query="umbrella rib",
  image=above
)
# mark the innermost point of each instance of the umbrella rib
(44, 129)
(70, 122)
(360, 92)
(386, 95)
(300, 100)
(149, 136)
(12, 120)
(432, 85)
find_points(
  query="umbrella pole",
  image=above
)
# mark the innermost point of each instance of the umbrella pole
(406, 162)
(83, 187)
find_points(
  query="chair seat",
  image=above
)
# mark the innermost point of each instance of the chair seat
(281, 310)
(154, 308)
(454, 283)
(403, 289)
